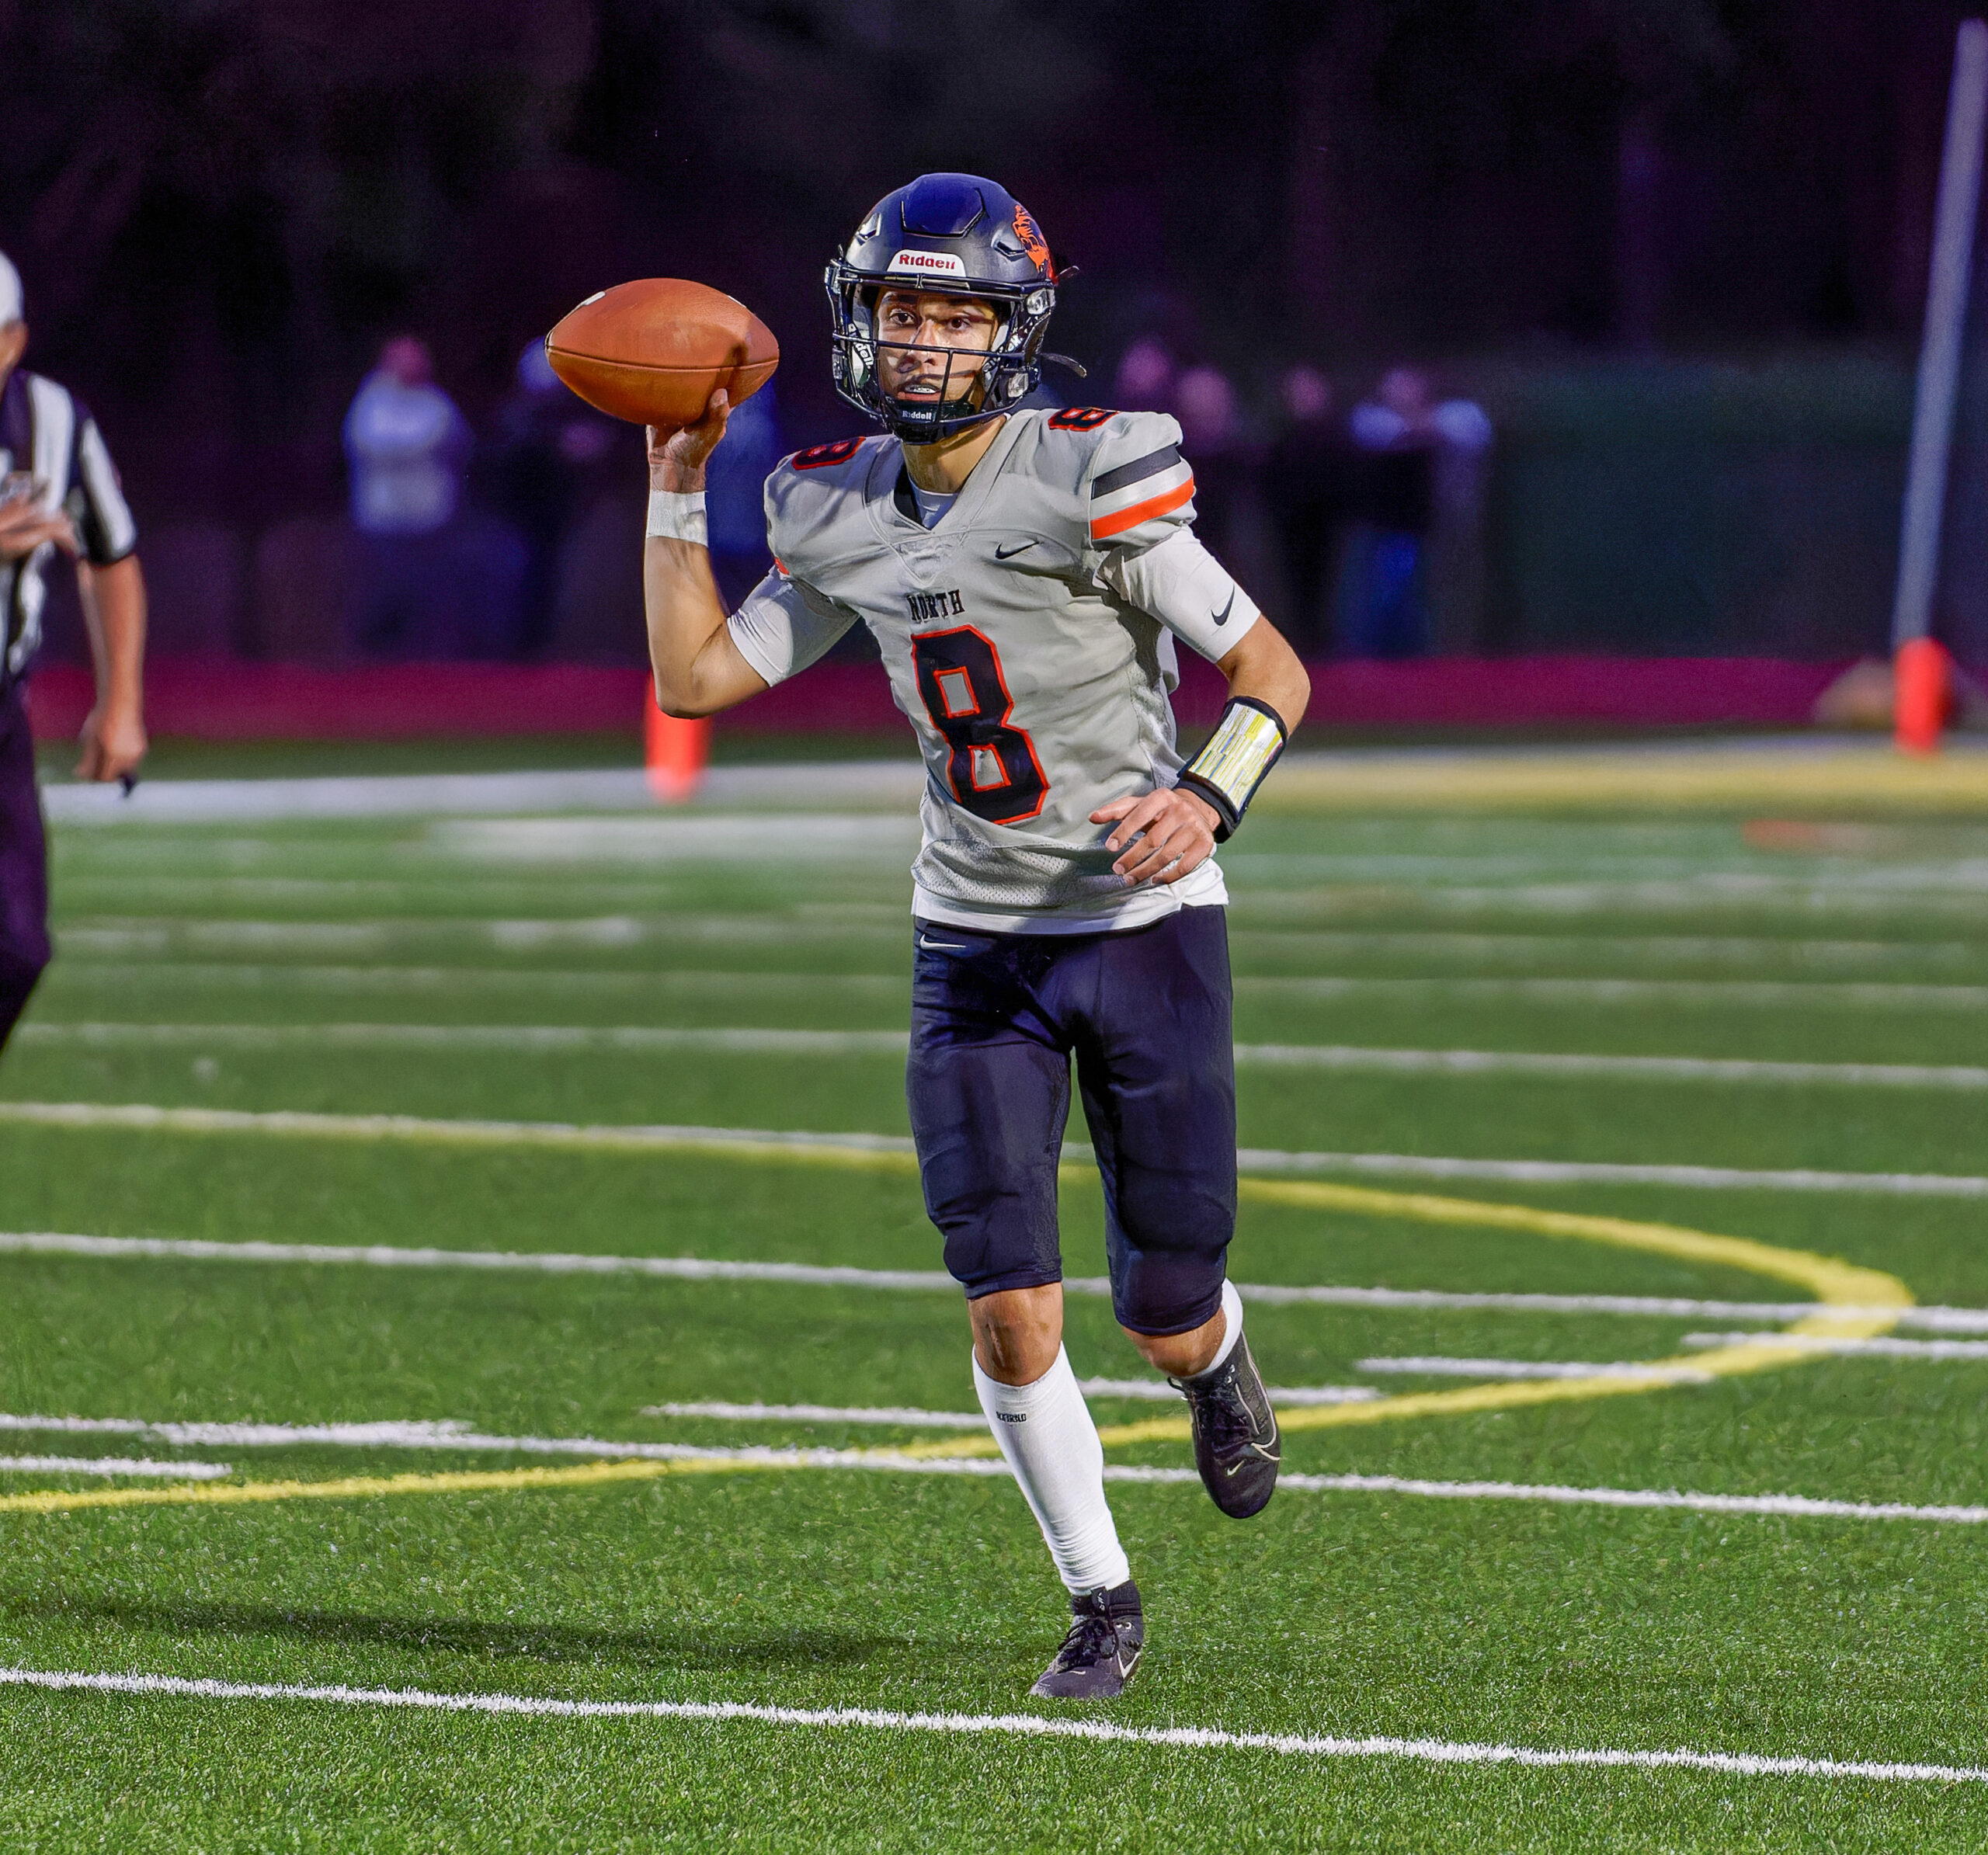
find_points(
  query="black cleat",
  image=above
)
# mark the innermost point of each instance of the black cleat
(1235, 1440)
(1107, 1632)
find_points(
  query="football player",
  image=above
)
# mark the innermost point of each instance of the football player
(1027, 576)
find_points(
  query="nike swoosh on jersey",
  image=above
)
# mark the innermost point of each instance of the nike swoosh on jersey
(1008, 553)
(1222, 617)
(939, 946)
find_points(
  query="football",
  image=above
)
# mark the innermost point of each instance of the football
(654, 351)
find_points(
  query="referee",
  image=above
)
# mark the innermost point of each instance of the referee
(58, 491)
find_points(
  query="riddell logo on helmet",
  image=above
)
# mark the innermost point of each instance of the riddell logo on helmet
(932, 264)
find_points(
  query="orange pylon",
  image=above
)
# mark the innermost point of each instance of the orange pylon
(1922, 681)
(675, 752)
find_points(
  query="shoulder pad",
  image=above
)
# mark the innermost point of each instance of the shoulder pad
(1138, 484)
(809, 491)
(824, 456)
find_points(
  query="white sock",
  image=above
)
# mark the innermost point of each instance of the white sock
(1045, 1431)
(1231, 1308)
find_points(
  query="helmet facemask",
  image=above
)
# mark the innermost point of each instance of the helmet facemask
(978, 385)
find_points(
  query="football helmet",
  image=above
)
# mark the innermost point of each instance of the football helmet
(966, 236)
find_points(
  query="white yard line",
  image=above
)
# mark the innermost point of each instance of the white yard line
(203, 1249)
(1878, 1348)
(1355, 1059)
(1179, 1739)
(908, 1416)
(531, 1038)
(447, 1435)
(745, 1041)
(1580, 1172)
(285, 1123)
(1438, 1366)
(114, 1465)
(536, 980)
(1763, 993)
(1158, 1392)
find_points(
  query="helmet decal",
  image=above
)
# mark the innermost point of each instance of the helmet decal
(926, 264)
(1033, 242)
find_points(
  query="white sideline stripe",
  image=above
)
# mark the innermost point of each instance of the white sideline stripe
(114, 1465)
(449, 1434)
(1198, 1739)
(910, 1416)
(1886, 1349)
(203, 1249)
(1437, 1366)
(896, 783)
(1346, 1058)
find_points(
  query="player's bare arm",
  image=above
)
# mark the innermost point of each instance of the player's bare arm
(1170, 833)
(698, 669)
(113, 741)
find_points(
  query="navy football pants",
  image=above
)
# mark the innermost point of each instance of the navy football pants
(995, 1020)
(24, 949)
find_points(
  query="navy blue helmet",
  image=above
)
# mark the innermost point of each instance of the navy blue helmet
(964, 236)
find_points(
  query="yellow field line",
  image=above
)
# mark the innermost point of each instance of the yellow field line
(473, 1481)
(1830, 1281)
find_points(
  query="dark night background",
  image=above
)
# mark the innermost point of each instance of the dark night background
(1678, 247)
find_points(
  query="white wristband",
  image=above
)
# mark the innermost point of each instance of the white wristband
(675, 515)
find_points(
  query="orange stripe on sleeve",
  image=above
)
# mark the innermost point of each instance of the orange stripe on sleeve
(1106, 526)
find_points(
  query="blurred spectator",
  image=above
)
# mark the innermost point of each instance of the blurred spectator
(1211, 438)
(430, 580)
(547, 448)
(1420, 483)
(734, 486)
(1310, 474)
(406, 444)
(1144, 380)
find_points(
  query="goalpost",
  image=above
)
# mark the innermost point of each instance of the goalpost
(1921, 667)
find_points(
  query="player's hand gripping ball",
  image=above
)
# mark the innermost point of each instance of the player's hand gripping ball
(653, 351)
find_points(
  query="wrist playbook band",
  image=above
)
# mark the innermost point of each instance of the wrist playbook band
(676, 515)
(1228, 770)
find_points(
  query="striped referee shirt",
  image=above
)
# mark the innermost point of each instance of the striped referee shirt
(49, 444)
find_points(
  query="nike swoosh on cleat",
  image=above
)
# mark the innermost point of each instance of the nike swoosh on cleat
(1222, 617)
(1008, 553)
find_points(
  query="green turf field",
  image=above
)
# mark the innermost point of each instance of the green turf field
(514, 993)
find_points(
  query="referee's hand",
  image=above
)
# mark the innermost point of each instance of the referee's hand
(112, 742)
(1165, 835)
(26, 526)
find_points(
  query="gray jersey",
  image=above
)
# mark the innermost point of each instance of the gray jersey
(1029, 637)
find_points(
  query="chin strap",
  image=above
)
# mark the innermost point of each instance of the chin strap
(1233, 763)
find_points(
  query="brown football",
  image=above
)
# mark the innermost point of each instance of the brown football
(655, 350)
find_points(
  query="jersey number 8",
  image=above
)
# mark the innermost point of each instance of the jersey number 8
(992, 768)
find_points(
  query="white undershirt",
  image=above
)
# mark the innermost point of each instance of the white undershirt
(933, 503)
